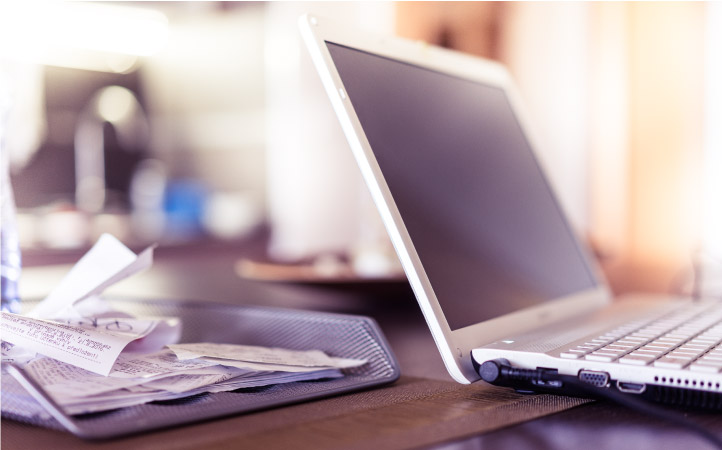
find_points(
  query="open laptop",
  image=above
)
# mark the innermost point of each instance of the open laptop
(443, 145)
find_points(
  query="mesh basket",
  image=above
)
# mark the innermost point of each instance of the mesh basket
(336, 334)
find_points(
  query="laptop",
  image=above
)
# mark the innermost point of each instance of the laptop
(444, 146)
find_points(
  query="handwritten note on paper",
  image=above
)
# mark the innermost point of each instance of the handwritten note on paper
(91, 345)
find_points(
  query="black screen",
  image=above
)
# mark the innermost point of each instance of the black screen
(485, 224)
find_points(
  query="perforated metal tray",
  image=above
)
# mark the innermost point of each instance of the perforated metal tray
(336, 334)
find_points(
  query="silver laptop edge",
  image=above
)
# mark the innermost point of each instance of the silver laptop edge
(455, 346)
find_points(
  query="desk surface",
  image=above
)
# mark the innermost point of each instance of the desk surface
(425, 408)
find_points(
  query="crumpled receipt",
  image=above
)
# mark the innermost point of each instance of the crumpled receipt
(75, 326)
(250, 357)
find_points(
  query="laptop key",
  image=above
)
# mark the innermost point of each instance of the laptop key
(667, 362)
(637, 359)
(665, 344)
(705, 366)
(652, 350)
(621, 347)
(681, 354)
(600, 357)
(612, 351)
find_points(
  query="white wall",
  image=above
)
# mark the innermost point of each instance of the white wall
(205, 91)
(317, 201)
(546, 47)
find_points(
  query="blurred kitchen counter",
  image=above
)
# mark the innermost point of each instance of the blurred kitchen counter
(207, 270)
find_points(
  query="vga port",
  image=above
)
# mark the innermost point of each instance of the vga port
(594, 377)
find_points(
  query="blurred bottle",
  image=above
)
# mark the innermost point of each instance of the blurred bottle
(9, 242)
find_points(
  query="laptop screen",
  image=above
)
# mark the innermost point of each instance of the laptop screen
(490, 234)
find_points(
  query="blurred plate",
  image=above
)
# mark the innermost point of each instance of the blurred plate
(333, 271)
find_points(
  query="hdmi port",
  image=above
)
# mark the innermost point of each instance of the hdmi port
(631, 388)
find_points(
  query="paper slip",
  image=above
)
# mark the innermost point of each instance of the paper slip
(150, 365)
(267, 378)
(108, 262)
(84, 330)
(143, 394)
(93, 345)
(278, 357)
(190, 381)
(78, 391)
(130, 397)
(63, 380)
(247, 365)
(12, 354)
(60, 379)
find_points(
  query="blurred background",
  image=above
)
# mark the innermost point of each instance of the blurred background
(185, 123)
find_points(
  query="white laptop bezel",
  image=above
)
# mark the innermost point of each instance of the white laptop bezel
(455, 346)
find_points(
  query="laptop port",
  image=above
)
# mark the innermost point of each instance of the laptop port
(631, 388)
(595, 378)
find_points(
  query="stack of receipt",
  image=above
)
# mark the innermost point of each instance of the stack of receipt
(166, 375)
(90, 358)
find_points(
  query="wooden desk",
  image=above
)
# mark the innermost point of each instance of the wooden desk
(425, 408)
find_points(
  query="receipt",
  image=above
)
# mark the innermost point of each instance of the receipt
(75, 326)
(193, 380)
(309, 358)
(143, 378)
(262, 358)
(264, 367)
(108, 262)
(65, 380)
(93, 344)
(144, 366)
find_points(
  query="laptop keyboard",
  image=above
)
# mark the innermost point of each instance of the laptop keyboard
(690, 338)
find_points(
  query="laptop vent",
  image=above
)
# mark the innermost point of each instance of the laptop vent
(686, 392)
(689, 383)
(685, 398)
